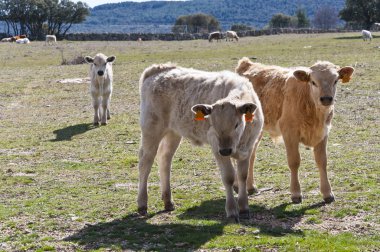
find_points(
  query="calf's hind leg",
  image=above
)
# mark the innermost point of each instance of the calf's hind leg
(150, 140)
(166, 150)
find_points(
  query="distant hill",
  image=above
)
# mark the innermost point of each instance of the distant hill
(135, 17)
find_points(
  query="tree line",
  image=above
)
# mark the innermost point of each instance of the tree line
(36, 18)
(359, 14)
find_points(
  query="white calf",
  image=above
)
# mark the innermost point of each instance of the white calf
(101, 85)
(223, 104)
(50, 39)
(366, 35)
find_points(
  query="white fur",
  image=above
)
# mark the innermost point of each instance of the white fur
(101, 86)
(169, 97)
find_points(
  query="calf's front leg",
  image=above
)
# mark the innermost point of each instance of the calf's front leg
(105, 108)
(242, 172)
(320, 155)
(227, 172)
(294, 160)
(96, 105)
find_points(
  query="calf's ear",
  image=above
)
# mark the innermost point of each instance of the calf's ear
(247, 108)
(89, 59)
(302, 75)
(204, 108)
(111, 58)
(345, 73)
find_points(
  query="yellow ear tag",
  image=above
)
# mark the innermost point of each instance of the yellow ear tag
(249, 117)
(199, 116)
(346, 79)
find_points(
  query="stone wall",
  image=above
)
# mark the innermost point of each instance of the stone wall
(187, 36)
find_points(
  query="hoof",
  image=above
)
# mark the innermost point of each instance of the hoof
(96, 123)
(143, 211)
(253, 191)
(244, 215)
(169, 207)
(233, 219)
(297, 200)
(108, 117)
(104, 123)
(329, 200)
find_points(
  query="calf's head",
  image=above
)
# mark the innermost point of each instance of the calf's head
(100, 63)
(322, 78)
(227, 122)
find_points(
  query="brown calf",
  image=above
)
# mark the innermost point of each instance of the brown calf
(298, 106)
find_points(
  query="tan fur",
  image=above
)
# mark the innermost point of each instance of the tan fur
(298, 107)
(170, 96)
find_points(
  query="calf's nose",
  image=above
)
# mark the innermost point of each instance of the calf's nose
(326, 100)
(225, 152)
(100, 73)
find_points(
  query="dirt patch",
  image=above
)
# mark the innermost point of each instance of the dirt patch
(354, 224)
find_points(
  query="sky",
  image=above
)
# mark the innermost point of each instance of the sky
(93, 3)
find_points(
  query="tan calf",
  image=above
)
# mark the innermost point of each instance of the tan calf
(298, 106)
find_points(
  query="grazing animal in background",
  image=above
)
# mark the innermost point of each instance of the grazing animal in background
(298, 106)
(6, 40)
(366, 35)
(15, 38)
(231, 35)
(101, 86)
(376, 26)
(170, 97)
(23, 41)
(215, 35)
(139, 40)
(50, 40)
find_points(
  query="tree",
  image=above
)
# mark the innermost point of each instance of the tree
(302, 19)
(325, 18)
(64, 15)
(363, 13)
(196, 23)
(280, 21)
(33, 16)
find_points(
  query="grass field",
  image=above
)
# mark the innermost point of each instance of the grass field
(68, 186)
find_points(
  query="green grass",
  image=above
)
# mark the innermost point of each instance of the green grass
(68, 186)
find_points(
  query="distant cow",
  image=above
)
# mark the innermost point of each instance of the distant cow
(298, 106)
(231, 35)
(50, 39)
(366, 35)
(15, 38)
(215, 35)
(6, 40)
(170, 97)
(101, 86)
(23, 41)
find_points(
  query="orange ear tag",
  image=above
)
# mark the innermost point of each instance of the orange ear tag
(199, 116)
(346, 79)
(249, 117)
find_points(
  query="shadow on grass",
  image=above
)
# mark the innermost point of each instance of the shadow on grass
(67, 133)
(154, 233)
(356, 37)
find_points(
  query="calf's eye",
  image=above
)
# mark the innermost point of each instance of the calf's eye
(314, 84)
(237, 125)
